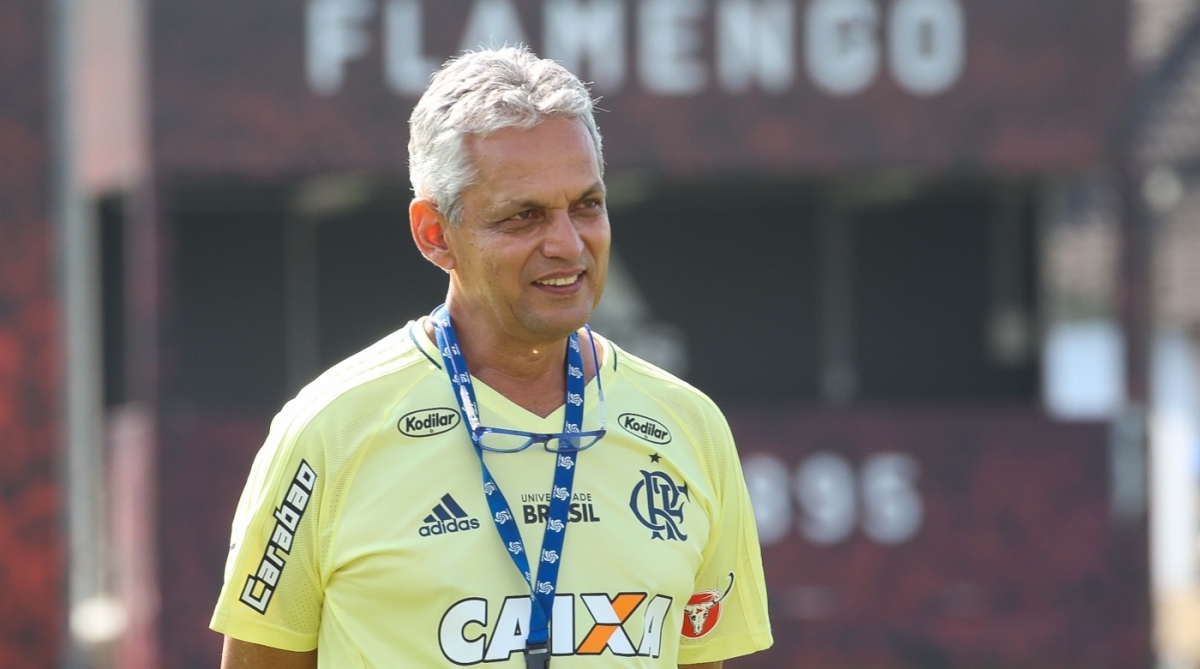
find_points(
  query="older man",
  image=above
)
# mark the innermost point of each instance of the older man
(495, 483)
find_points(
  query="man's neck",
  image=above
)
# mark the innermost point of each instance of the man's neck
(530, 373)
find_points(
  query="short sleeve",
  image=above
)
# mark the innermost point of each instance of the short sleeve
(727, 615)
(273, 589)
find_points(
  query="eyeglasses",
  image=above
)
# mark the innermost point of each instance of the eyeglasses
(502, 440)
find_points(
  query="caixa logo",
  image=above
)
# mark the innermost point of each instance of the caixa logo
(428, 422)
(629, 624)
(646, 428)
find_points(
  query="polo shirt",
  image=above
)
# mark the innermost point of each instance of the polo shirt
(363, 531)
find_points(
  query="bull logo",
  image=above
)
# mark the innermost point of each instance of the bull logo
(657, 502)
(703, 611)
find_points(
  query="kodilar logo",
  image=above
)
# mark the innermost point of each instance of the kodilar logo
(428, 422)
(646, 428)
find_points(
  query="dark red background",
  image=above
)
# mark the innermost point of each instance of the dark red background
(31, 564)
(1017, 563)
(1043, 84)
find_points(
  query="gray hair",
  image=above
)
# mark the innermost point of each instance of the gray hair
(479, 93)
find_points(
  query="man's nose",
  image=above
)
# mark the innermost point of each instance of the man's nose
(562, 239)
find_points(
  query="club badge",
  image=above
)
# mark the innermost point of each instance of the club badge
(703, 611)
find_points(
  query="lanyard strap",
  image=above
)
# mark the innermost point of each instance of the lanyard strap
(543, 586)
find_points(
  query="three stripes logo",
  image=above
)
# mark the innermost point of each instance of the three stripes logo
(447, 518)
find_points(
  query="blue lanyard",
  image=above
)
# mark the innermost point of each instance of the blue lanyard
(543, 587)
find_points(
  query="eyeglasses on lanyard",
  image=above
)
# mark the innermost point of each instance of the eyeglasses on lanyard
(503, 440)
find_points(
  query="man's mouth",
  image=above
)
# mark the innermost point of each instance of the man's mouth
(559, 281)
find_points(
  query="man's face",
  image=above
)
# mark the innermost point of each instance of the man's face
(531, 253)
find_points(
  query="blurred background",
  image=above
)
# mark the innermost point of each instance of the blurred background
(938, 260)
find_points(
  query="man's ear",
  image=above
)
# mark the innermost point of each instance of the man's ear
(428, 228)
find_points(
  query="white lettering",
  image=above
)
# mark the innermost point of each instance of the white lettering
(335, 37)
(842, 46)
(492, 23)
(268, 573)
(767, 481)
(282, 537)
(511, 629)
(297, 497)
(601, 608)
(257, 603)
(753, 45)
(607, 634)
(288, 517)
(407, 68)
(270, 568)
(306, 477)
(825, 490)
(562, 641)
(883, 498)
(755, 40)
(892, 510)
(927, 45)
(669, 40)
(452, 633)
(652, 626)
(592, 32)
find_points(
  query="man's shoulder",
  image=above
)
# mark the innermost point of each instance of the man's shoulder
(662, 386)
(702, 424)
(367, 382)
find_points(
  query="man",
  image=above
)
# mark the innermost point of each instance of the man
(380, 527)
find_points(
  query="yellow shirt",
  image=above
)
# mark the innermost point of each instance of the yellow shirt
(363, 531)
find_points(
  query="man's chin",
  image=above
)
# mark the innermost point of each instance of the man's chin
(555, 323)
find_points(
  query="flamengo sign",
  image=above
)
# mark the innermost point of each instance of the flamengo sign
(841, 46)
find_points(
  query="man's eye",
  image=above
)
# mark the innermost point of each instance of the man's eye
(526, 215)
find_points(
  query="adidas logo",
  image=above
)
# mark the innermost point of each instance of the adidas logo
(446, 518)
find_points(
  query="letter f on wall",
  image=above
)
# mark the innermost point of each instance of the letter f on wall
(335, 36)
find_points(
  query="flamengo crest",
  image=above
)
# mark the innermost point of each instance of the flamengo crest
(657, 502)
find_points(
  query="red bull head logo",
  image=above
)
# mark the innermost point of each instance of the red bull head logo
(703, 611)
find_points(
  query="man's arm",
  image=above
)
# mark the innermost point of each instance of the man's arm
(245, 655)
(706, 665)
